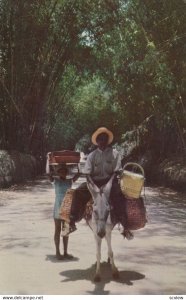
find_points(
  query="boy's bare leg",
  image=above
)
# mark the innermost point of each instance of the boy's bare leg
(57, 238)
(65, 245)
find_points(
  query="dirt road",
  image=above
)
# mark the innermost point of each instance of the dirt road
(153, 263)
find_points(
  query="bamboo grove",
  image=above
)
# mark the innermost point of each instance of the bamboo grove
(68, 66)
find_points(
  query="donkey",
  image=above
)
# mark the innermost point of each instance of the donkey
(101, 223)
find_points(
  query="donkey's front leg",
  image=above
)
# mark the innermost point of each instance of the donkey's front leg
(115, 272)
(97, 276)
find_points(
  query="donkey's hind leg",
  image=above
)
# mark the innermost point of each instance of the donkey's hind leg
(115, 272)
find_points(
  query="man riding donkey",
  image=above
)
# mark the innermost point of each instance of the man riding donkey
(100, 165)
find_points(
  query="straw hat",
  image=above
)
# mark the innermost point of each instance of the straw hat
(102, 130)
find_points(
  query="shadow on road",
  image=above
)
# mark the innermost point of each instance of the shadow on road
(53, 259)
(125, 277)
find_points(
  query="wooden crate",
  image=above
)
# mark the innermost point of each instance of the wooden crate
(63, 157)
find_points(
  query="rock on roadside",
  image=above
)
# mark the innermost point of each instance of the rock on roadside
(16, 167)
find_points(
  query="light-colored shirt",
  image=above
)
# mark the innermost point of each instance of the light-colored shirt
(102, 164)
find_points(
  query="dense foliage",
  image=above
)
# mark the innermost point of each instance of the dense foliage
(68, 66)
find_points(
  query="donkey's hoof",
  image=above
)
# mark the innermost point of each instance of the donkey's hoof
(108, 260)
(115, 274)
(97, 278)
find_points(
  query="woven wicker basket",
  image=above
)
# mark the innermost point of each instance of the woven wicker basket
(66, 205)
(131, 183)
(135, 213)
(88, 210)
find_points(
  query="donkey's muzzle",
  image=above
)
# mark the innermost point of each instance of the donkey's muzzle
(101, 233)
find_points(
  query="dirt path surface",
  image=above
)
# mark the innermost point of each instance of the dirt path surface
(153, 263)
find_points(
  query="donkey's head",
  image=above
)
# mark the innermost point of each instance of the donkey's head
(101, 207)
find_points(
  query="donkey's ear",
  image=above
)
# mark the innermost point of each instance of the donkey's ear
(107, 187)
(92, 186)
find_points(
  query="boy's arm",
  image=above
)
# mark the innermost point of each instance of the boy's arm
(88, 165)
(48, 172)
(51, 178)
